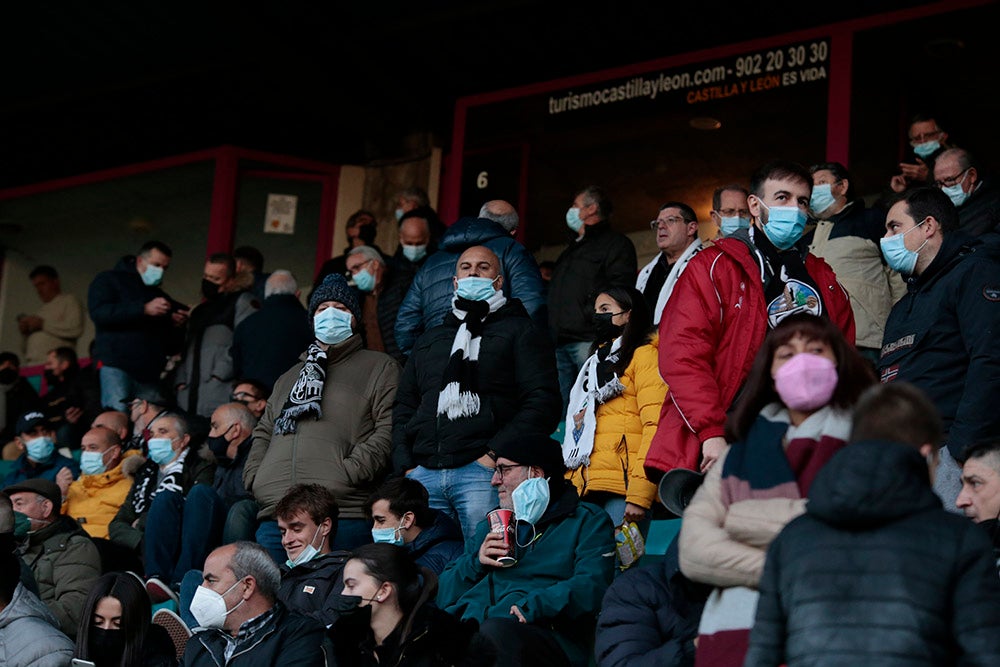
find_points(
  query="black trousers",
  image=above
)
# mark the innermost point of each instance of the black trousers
(522, 644)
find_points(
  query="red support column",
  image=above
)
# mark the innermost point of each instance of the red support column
(222, 223)
(327, 218)
(838, 106)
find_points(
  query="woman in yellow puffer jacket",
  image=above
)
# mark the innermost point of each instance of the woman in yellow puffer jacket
(614, 408)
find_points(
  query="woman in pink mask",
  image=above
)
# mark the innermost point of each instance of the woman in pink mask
(793, 415)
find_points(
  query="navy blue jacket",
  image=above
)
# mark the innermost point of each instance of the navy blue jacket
(877, 573)
(942, 337)
(429, 297)
(126, 338)
(22, 470)
(438, 544)
(649, 617)
(270, 341)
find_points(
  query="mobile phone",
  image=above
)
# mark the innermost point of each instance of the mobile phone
(77, 662)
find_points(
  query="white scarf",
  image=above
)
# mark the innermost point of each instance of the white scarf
(668, 284)
(581, 420)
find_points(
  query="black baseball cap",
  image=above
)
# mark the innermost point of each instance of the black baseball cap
(29, 420)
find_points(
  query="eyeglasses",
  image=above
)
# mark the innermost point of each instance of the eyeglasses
(503, 469)
(924, 136)
(672, 220)
(952, 180)
(734, 212)
(242, 396)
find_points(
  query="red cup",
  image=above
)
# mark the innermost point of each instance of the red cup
(502, 521)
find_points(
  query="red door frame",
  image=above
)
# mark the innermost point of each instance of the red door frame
(841, 37)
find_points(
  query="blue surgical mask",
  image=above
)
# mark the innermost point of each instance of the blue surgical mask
(152, 276)
(307, 553)
(927, 148)
(40, 449)
(399, 214)
(897, 255)
(161, 450)
(92, 463)
(389, 535)
(332, 326)
(732, 225)
(474, 288)
(573, 219)
(531, 499)
(955, 192)
(784, 225)
(414, 253)
(364, 280)
(822, 198)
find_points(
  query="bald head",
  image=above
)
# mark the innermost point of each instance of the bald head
(502, 213)
(115, 421)
(478, 261)
(414, 231)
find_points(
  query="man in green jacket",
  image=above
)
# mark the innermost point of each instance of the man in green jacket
(540, 610)
(63, 559)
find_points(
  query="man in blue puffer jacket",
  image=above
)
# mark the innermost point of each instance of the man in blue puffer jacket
(429, 298)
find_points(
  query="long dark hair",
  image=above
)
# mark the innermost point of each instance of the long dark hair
(640, 321)
(136, 613)
(854, 374)
(414, 585)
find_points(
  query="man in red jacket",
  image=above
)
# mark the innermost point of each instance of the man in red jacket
(732, 292)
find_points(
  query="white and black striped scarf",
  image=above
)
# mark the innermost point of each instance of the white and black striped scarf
(459, 395)
(595, 385)
(306, 395)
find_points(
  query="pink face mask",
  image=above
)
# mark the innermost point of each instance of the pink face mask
(806, 382)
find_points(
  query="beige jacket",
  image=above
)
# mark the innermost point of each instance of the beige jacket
(872, 286)
(726, 547)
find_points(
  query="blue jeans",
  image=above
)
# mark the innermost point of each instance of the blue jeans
(569, 361)
(117, 385)
(181, 532)
(241, 522)
(189, 584)
(464, 494)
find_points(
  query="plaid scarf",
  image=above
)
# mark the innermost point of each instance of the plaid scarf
(306, 395)
(459, 395)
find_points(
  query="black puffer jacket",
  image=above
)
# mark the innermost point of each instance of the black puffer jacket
(518, 390)
(877, 573)
(649, 617)
(601, 258)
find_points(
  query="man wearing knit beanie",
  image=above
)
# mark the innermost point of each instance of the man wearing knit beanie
(533, 609)
(335, 288)
(328, 422)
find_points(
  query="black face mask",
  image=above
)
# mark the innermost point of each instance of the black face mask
(367, 233)
(606, 331)
(350, 605)
(51, 378)
(218, 445)
(209, 289)
(8, 375)
(106, 646)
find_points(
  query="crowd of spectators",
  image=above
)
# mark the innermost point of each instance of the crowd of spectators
(451, 455)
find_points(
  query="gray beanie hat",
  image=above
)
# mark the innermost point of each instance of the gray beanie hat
(335, 288)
